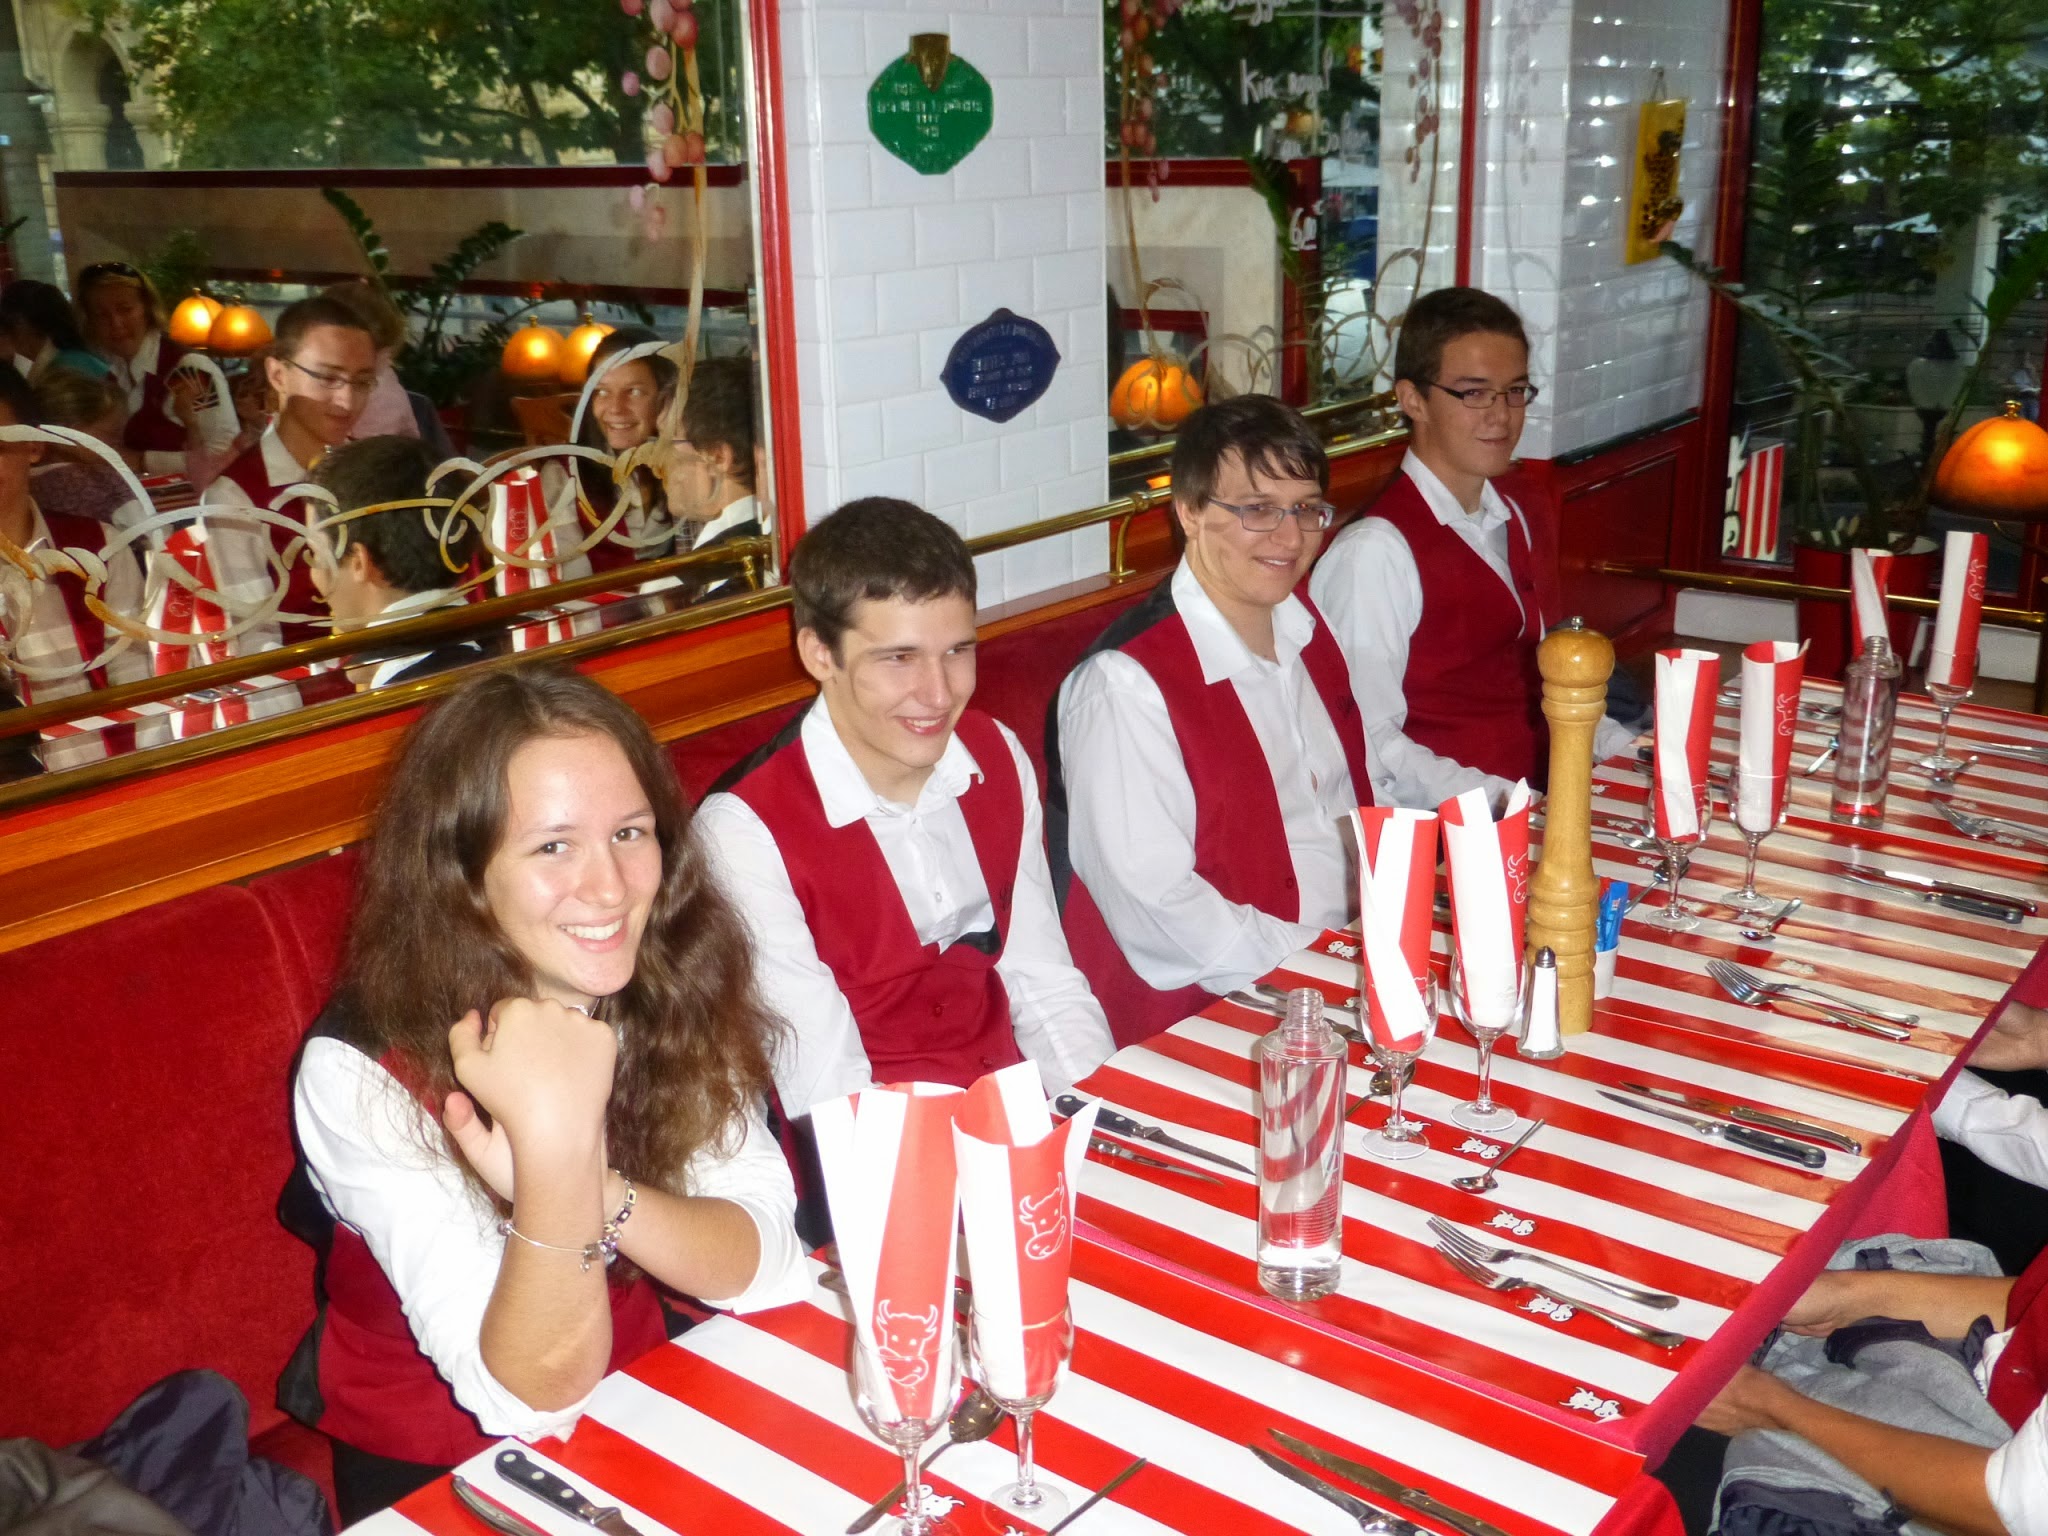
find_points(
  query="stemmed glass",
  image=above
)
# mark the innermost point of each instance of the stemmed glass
(1401, 1138)
(1676, 916)
(1748, 898)
(874, 1397)
(1482, 1114)
(1939, 764)
(1050, 1343)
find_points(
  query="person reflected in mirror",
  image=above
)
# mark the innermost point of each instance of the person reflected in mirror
(43, 331)
(535, 1095)
(885, 847)
(624, 401)
(78, 481)
(392, 410)
(1440, 594)
(382, 567)
(714, 470)
(181, 420)
(321, 369)
(1206, 751)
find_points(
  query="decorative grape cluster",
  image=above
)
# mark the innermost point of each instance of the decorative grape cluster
(675, 27)
(1139, 83)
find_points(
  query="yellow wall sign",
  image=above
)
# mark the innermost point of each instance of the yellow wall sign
(1654, 204)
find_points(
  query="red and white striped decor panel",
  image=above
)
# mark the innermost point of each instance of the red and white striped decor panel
(746, 1425)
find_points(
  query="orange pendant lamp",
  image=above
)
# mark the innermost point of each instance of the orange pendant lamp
(577, 349)
(192, 321)
(533, 352)
(1154, 393)
(1998, 469)
(237, 331)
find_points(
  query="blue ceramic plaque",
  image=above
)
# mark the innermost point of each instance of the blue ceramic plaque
(1000, 366)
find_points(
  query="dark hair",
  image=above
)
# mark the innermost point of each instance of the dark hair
(43, 307)
(119, 274)
(1269, 437)
(719, 412)
(19, 398)
(408, 553)
(1437, 319)
(289, 334)
(875, 548)
(424, 947)
(373, 310)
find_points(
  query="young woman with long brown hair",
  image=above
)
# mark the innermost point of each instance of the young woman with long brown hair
(545, 1052)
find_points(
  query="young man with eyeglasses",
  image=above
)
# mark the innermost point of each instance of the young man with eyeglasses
(1441, 593)
(1206, 750)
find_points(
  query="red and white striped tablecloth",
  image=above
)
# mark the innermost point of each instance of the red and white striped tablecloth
(746, 1425)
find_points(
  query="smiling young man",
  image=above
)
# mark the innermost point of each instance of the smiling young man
(1207, 749)
(886, 848)
(1440, 595)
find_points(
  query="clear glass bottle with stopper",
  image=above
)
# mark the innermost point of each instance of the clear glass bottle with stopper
(1302, 1067)
(1863, 760)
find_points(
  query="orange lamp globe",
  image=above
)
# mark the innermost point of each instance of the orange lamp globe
(533, 352)
(577, 349)
(1155, 394)
(192, 321)
(1997, 469)
(237, 331)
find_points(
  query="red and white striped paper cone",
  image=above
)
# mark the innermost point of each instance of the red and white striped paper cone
(1870, 574)
(1686, 681)
(1396, 895)
(1771, 674)
(183, 611)
(1018, 1174)
(519, 516)
(1487, 865)
(1952, 660)
(893, 1187)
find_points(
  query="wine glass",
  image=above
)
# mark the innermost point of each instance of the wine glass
(1676, 916)
(1938, 764)
(874, 1397)
(1022, 1387)
(1763, 789)
(1401, 1138)
(1482, 1114)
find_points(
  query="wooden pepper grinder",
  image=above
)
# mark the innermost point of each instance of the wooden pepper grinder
(1575, 663)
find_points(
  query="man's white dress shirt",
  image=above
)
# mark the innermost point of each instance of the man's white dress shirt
(1368, 587)
(1132, 813)
(240, 547)
(930, 852)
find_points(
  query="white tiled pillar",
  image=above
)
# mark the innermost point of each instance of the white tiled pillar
(1614, 347)
(890, 266)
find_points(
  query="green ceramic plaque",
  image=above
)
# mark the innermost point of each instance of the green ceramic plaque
(930, 130)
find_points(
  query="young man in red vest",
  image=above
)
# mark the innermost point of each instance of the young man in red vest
(886, 848)
(1207, 749)
(1441, 593)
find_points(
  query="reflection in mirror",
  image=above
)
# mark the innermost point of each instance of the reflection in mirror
(509, 258)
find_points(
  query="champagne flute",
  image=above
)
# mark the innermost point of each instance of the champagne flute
(1676, 916)
(1939, 764)
(1751, 789)
(1401, 1138)
(1022, 1387)
(874, 1397)
(1482, 1114)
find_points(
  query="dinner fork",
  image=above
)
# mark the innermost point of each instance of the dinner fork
(1972, 825)
(2024, 751)
(1753, 991)
(1458, 1240)
(1480, 1275)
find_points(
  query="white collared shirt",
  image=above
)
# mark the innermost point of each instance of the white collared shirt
(746, 509)
(218, 422)
(1368, 587)
(931, 856)
(1132, 812)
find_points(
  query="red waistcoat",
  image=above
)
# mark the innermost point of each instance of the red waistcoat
(925, 1014)
(249, 472)
(1472, 688)
(1240, 831)
(152, 428)
(2021, 1375)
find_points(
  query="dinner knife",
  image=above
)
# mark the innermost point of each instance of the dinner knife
(1943, 893)
(1117, 1149)
(1741, 1135)
(1387, 1487)
(1725, 1110)
(1369, 1516)
(1123, 1125)
(520, 1470)
(490, 1511)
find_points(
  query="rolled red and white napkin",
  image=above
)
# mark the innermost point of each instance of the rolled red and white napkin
(1396, 898)
(1018, 1174)
(1771, 674)
(893, 1186)
(1686, 681)
(1869, 582)
(1488, 868)
(182, 610)
(1952, 660)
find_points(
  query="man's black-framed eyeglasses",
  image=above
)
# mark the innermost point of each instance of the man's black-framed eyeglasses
(1264, 517)
(1481, 397)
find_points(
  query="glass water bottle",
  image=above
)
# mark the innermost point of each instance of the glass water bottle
(1302, 1067)
(1863, 761)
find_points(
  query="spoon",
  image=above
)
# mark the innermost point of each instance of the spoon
(1770, 929)
(1946, 780)
(1480, 1183)
(975, 1417)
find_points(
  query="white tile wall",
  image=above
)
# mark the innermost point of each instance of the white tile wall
(891, 266)
(1418, 233)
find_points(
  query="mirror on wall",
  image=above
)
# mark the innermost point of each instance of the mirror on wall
(356, 323)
